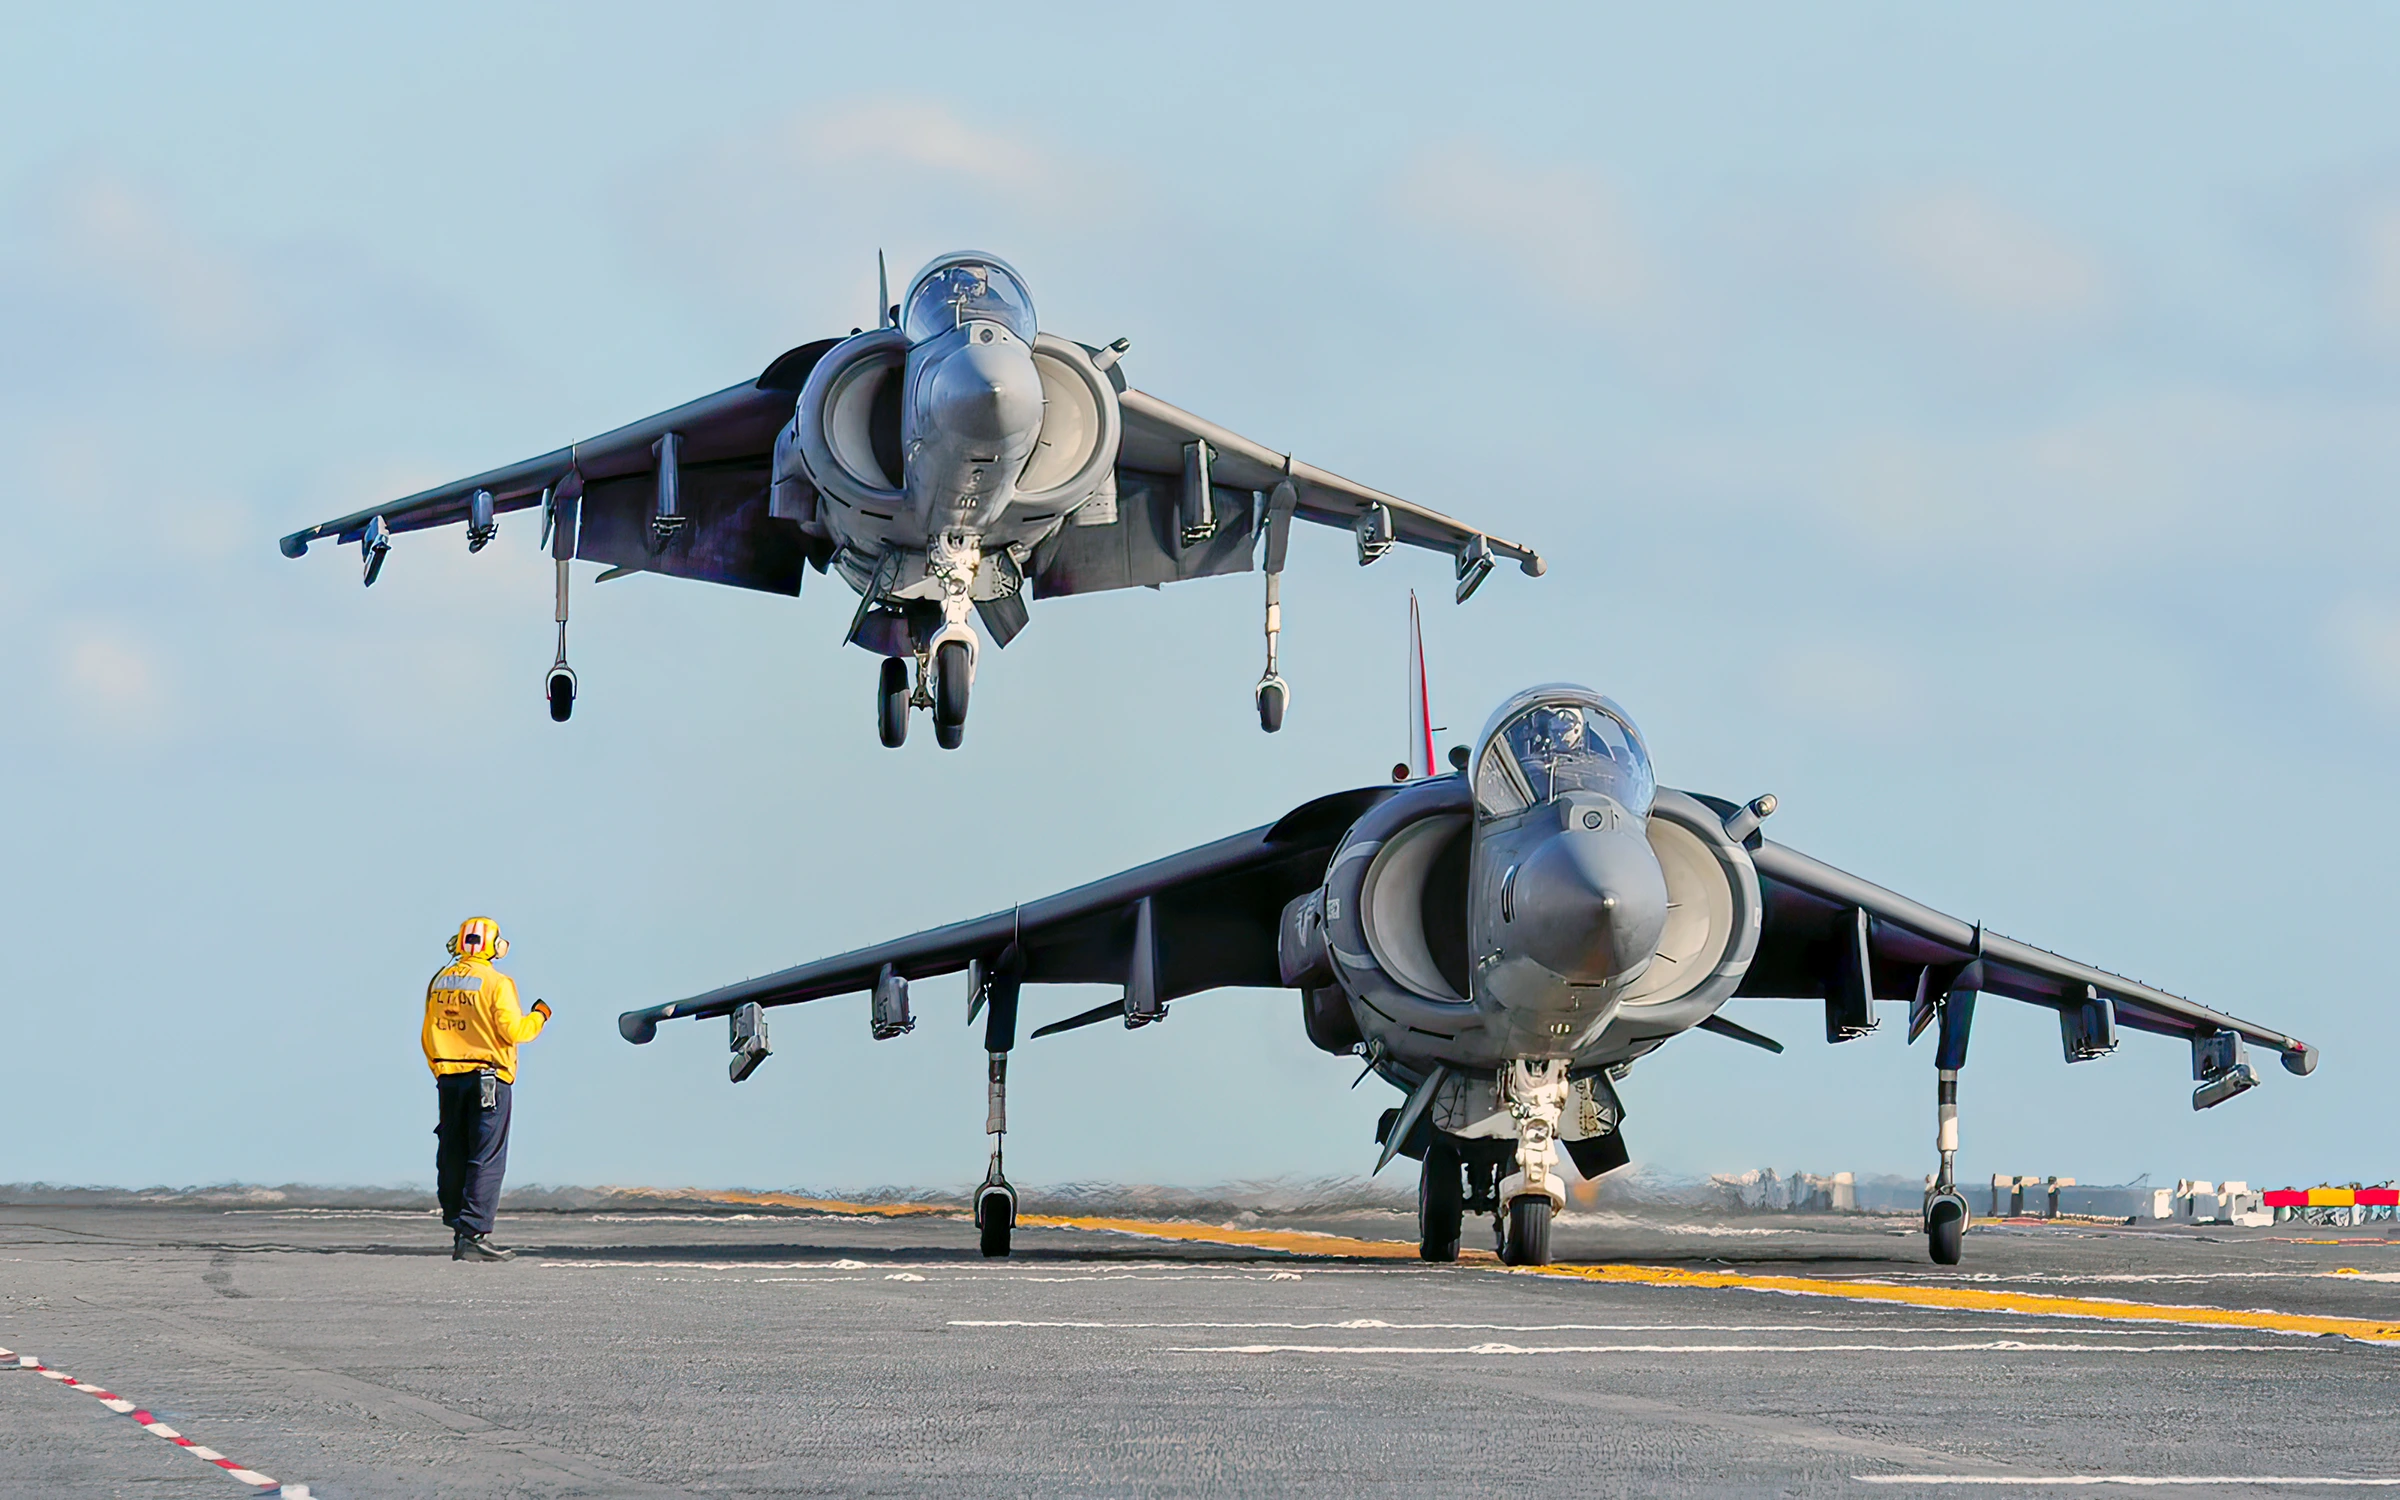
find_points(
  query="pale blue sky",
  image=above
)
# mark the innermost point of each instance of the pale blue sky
(1979, 429)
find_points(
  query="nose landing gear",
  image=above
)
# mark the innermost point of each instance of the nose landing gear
(1536, 1095)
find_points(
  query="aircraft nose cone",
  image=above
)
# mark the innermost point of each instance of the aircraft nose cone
(1589, 906)
(988, 391)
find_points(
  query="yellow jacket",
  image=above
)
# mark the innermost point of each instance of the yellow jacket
(472, 1021)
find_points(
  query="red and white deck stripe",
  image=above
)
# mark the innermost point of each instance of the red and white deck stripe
(153, 1425)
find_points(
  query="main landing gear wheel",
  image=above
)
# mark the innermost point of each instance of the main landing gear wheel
(1441, 1204)
(996, 1215)
(891, 703)
(950, 694)
(1527, 1241)
(1945, 1229)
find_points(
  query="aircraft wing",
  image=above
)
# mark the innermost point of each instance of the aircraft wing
(605, 489)
(1213, 915)
(1142, 546)
(1819, 919)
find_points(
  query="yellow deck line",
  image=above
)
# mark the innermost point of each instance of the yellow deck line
(1977, 1299)
(1311, 1242)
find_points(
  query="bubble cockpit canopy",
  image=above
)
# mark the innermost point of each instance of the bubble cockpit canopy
(1556, 739)
(957, 288)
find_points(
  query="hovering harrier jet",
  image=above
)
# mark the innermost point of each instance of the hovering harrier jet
(946, 464)
(1502, 944)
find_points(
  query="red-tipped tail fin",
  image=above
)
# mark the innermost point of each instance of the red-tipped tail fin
(1420, 702)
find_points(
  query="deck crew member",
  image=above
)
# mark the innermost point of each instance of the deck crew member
(472, 1029)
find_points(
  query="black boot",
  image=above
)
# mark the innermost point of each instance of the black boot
(478, 1247)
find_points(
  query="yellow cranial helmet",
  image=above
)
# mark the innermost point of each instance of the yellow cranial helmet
(479, 937)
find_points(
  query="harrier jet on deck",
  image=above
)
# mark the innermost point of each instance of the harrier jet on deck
(1502, 944)
(944, 464)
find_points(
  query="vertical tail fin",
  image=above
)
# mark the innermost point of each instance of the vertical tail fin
(1420, 702)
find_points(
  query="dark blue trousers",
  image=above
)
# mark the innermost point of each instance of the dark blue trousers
(472, 1153)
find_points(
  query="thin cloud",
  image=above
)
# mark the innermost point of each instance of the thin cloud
(786, 222)
(1561, 233)
(111, 683)
(1975, 256)
(2379, 280)
(2362, 637)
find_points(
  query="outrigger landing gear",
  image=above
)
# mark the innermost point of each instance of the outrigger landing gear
(1946, 1215)
(995, 1200)
(559, 687)
(1273, 694)
(1536, 1095)
(946, 669)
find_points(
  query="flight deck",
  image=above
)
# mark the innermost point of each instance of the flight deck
(783, 1346)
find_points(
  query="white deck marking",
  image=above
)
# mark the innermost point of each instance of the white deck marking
(2147, 1481)
(2013, 1346)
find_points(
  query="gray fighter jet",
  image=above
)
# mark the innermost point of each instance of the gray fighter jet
(1502, 944)
(946, 463)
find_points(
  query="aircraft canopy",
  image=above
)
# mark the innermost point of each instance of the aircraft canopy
(959, 287)
(1562, 740)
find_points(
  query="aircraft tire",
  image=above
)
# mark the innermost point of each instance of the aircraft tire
(950, 686)
(1270, 707)
(1528, 1242)
(561, 691)
(999, 1217)
(891, 703)
(1945, 1232)
(1441, 1203)
(949, 736)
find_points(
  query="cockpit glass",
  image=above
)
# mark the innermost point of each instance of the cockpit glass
(1565, 747)
(950, 295)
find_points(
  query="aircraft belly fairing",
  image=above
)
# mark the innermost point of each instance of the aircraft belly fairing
(1502, 944)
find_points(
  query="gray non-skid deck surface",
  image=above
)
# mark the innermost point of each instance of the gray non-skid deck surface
(635, 1354)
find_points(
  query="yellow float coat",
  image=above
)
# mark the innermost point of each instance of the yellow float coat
(472, 1021)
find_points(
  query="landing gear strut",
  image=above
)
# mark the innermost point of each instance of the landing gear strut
(1273, 694)
(565, 514)
(995, 1200)
(950, 656)
(1536, 1094)
(1946, 1214)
